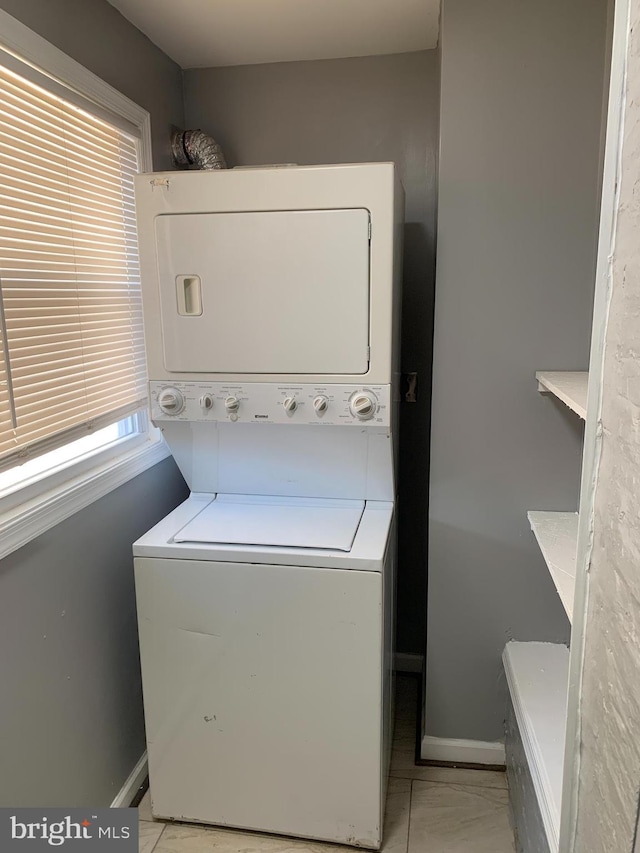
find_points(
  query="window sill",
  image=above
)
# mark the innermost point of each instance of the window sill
(26, 521)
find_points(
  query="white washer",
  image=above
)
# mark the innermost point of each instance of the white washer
(267, 668)
(266, 600)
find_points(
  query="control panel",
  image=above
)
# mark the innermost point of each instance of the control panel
(255, 402)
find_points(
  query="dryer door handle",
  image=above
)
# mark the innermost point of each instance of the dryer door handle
(189, 295)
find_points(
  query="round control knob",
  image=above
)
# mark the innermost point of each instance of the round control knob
(206, 402)
(320, 404)
(290, 405)
(171, 401)
(363, 405)
(232, 404)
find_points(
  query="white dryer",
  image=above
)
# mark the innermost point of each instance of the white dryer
(266, 600)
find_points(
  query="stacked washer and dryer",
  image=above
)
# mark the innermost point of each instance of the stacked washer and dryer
(266, 600)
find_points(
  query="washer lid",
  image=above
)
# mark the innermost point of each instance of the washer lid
(279, 521)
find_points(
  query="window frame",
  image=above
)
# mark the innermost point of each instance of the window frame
(33, 508)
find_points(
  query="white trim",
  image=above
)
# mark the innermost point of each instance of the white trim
(60, 498)
(404, 662)
(127, 793)
(31, 519)
(31, 47)
(456, 751)
(46, 477)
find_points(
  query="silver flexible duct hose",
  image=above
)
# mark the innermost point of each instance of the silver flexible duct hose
(196, 148)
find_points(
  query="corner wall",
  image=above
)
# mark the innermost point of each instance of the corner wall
(520, 118)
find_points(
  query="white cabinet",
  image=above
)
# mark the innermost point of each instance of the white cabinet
(263, 690)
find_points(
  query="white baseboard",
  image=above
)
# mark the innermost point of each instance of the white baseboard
(462, 751)
(403, 662)
(130, 788)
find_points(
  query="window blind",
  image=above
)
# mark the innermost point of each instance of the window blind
(71, 338)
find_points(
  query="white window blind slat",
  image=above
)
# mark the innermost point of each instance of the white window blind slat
(63, 134)
(19, 140)
(51, 225)
(31, 76)
(34, 183)
(47, 169)
(96, 282)
(60, 259)
(32, 380)
(101, 161)
(71, 340)
(16, 248)
(23, 138)
(34, 356)
(65, 406)
(103, 168)
(35, 107)
(17, 117)
(17, 147)
(103, 195)
(94, 295)
(55, 205)
(99, 218)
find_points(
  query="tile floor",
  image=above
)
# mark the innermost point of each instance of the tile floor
(429, 809)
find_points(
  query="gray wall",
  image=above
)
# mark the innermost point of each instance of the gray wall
(71, 712)
(521, 105)
(341, 111)
(98, 37)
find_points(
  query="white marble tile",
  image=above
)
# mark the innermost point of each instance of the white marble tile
(449, 775)
(398, 785)
(459, 819)
(144, 809)
(149, 833)
(396, 819)
(182, 838)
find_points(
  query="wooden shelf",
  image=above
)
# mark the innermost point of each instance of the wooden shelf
(537, 676)
(568, 386)
(557, 535)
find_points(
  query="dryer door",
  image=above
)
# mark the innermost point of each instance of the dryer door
(268, 292)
